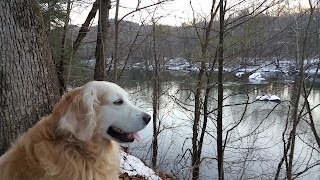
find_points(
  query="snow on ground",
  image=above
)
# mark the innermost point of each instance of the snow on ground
(134, 166)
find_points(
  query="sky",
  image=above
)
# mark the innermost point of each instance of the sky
(173, 12)
(170, 13)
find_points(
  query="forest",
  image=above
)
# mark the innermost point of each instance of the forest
(207, 121)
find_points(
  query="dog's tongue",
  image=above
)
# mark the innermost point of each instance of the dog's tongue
(136, 136)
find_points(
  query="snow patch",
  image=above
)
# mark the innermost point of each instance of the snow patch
(134, 166)
(239, 74)
(256, 76)
(268, 97)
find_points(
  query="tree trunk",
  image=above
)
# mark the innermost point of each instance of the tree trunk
(116, 43)
(297, 91)
(28, 80)
(220, 93)
(156, 99)
(196, 143)
(62, 61)
(101, 48)
(86, 25)
(296, 94)
(195, 160)
(155, 120)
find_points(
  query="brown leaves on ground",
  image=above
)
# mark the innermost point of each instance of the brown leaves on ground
(125, 176)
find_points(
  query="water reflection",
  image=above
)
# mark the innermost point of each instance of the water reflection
(253, 149)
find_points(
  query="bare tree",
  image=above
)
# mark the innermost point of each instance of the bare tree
(117, 22)
(86, 25)
(116, 43)
(220, 90)
(155, 98)
(196, 145)
(62, 61)
(297, 91)
(102, 43)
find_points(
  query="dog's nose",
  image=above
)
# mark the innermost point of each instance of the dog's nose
(146, 118)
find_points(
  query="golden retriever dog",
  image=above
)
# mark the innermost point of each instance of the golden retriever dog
(79, 139)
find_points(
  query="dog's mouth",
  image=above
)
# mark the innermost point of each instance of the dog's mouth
(123, 136)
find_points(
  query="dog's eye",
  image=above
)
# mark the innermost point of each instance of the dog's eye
(118, 102)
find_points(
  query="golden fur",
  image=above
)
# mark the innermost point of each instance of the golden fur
(48, 152)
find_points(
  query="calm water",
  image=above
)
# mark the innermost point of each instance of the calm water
(253, 149)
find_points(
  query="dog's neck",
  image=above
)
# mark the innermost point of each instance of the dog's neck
(47, 131)
(56, 153)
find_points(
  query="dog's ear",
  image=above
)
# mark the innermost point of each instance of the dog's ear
(80, 116)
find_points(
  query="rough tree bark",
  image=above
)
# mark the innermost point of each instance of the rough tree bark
(28, 81)
(101, 48)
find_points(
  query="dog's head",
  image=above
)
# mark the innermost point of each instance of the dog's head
(101, 108)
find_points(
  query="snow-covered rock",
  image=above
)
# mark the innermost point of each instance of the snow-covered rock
(239, 74)
(268, 97)
(256, 76)
(274, 98)
(133, 166)
(262, 98)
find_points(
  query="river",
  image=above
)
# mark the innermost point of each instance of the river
(253, 148)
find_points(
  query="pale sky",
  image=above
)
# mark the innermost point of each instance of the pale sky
(173, 13)
(170, 13)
